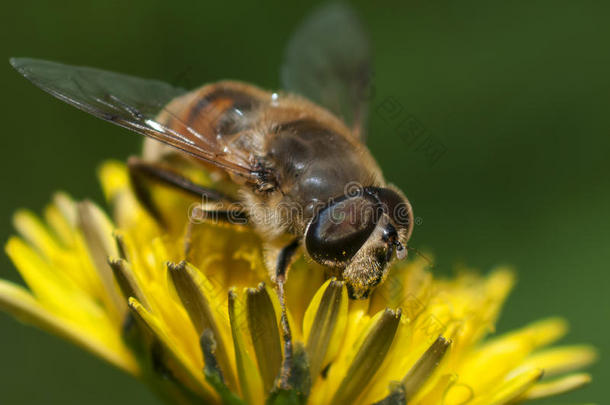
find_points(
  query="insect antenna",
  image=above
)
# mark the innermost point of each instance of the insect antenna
(420, 254)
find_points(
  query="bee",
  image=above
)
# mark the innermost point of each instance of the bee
(305, 180)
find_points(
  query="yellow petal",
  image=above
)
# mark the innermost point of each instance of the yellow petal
(50, 286)
(511, 389)
(125, 278)
(97, 230)
(425, 366)
(19, 302)
(324, 325)
(457, 392)
(543, 332)
(436, 392)
(402, 355)
(59, 224)
(369, 356)
(486, 365)
(304, 281)
(556, 387)
(113, 177)
(357, 323)
(418, 375)
(32, 230)
(264, 333)
(249, 377)
(66, 205)
(185, 368)
(191, 287)
(561, 360)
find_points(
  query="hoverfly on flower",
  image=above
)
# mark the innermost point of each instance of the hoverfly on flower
(303, 149)
(184, 303)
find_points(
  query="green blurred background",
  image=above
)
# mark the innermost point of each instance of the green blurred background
(516, 93)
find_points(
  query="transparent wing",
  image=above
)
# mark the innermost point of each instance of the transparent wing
(127, 101)
(328, 60)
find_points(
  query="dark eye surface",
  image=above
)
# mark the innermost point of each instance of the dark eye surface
(397, 206)
(340, 229)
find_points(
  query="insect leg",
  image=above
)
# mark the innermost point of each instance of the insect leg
(141, 171)
(233, 215)
(283, 261)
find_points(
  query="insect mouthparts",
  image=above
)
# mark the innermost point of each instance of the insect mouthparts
(401, 252)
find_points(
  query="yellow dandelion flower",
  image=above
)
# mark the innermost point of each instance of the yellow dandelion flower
(209, 331)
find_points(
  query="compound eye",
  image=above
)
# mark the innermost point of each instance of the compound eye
(339, 230)
(398, 207)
